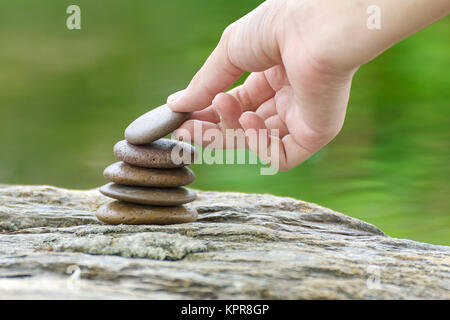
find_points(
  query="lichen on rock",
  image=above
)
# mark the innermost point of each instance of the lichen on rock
(152, 245)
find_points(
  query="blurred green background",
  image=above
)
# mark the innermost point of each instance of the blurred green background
(67, 96)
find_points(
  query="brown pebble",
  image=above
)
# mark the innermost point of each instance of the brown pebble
(118, 212)
(151, 196)
(154, 124)
(123, 173)
(157, 154)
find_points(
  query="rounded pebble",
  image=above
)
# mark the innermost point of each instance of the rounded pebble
(162, 153)
(118, 212)
(123, 173)
(151, 196)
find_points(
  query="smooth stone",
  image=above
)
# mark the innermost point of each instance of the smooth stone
(118, 212)
(154, 124)
(157, 154)
(123, 173)
(151, 196)
(276, 247)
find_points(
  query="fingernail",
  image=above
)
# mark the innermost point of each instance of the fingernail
(242, 123)
(217, 95)
(175, 96)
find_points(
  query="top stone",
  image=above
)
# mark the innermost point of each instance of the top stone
(154, 124)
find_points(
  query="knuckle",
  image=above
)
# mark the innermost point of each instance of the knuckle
(243, 97)
(225, 46)
(226, 34)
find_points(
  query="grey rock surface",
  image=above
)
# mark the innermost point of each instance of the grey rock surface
(253, 246)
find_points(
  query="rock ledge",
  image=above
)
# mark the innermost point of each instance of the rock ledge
(243, 246)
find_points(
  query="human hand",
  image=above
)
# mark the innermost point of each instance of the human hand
(302, 55)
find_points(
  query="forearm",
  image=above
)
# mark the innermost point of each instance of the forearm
(401, 18)
(348, 33)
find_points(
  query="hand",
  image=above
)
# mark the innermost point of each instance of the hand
(302, 55)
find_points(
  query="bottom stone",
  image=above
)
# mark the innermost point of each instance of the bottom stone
(119, 212)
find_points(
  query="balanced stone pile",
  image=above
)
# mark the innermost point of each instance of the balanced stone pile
(148, 180)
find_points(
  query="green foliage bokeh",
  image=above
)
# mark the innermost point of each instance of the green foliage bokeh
(67, 96)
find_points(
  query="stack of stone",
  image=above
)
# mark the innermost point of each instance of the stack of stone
(148, 180)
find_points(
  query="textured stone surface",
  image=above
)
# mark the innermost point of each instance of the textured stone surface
(123, 173)
(241, 246)
(154, 124)
(157, 154)
(151, 196)
(118, 212)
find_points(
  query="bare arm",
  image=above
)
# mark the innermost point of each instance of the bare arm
(302, 55)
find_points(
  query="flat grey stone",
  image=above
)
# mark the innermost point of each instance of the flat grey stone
(242, 246)
(154, 124)
(157, 154)
(151, 196)
(123, 173)
(118, 212)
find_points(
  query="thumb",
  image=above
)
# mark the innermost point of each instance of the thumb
(216, 75)
(242, 47)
